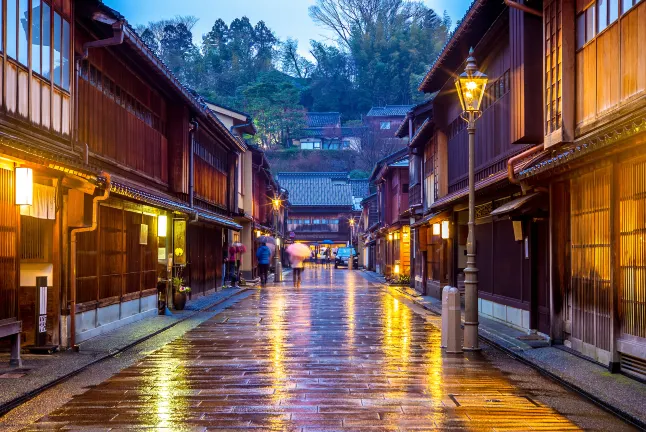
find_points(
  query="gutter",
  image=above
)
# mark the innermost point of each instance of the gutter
(73, 233)
(523, 8)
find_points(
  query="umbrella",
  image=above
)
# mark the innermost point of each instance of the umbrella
(266, 239)
(299, 250)
(327, 242)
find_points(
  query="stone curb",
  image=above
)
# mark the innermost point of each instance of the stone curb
(627, 417)
(14, 403)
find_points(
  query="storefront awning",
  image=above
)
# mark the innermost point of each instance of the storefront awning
(432, 218)
(523, 205)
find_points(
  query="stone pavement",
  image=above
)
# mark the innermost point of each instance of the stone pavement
(618, 393)
(339, 354)
(40, 371)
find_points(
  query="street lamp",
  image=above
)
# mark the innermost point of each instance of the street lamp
(278, 275)
(351, 260)
(471, 85)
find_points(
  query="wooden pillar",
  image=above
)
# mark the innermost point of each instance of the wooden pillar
(615, 270)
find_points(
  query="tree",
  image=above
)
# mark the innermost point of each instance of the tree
(273, 101)
(374, 146)
(292, 63)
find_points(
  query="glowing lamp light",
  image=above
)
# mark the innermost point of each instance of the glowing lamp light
(276, 203)
(258, 233)
(24, 186)
(162, 226)
(471, 85)
(390, 236)
(445, 229)
(397, 269)
(277, 241)
(351, 222)
(436, 229)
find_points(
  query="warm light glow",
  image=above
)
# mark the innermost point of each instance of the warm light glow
(24, 186)
(351, 222)
(276, 203)
(397, 269)
(390, 236)
(471, 85)
(445, 229)
(278, 241)
(436, 229)
(162, 225)
(258, 233)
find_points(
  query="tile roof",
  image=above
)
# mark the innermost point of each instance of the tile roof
(389, 111)
(323, 119)
(360, 188)
(317, 189)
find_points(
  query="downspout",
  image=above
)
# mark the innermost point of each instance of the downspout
(193, 127)
(73, 233)
(522, 7)
(512, 161)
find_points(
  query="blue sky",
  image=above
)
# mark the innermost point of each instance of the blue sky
(287, 18)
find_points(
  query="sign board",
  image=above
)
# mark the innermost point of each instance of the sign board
(41, 311)
(179, 241)
(292, 234)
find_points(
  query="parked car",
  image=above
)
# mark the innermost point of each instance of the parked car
(343, 257)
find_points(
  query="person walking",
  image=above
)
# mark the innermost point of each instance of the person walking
(225, 260)
(264, 255)
(297, 269)
(233, 252)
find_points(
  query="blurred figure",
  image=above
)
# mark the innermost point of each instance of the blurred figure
(298, 253)
(264, 255)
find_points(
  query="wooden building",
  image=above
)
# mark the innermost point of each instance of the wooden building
(594, 167)
(392, 250)
(321, 205)
(127, 174)
(368, 224)
(511, 224)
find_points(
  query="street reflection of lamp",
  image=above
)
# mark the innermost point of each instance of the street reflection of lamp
(278, 275)
(445, 229)
(436, 229)
(471, 85)
(162, 225)
(24, 186)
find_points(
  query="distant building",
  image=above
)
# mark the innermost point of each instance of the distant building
(321, 205)
(386, 119)
(324, 132)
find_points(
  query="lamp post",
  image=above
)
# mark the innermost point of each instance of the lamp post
(278, 275)
(471, 86)
(351, 259)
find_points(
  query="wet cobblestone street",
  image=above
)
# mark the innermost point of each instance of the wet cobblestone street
(340, 353)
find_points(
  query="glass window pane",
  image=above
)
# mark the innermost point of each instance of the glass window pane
(590, 28)
(11, 28)
(1, 33)
(57, 48)
(66, 55)
(47, 44)
(35, 34)
(602, 8)
(613, 13)
(23, 32)
(626, 5)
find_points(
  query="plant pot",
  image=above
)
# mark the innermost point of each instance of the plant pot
(179, 300)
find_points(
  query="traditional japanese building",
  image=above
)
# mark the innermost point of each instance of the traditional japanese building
(593, 166)
(127, 177)
(368, 225)
(323, 131)
(321, 205)
(511, 224)
(392, 233)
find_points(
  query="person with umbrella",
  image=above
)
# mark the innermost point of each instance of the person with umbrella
(264, 255)
(298, 253)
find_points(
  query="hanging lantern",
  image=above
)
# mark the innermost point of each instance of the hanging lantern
(390, 236)
(162, 225)
(397, 270)
(445, 229)
(436, 229)
(24, 186)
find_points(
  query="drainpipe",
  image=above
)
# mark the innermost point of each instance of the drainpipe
(194, 125)
(73, 233)
(522, 7)
(513, 160)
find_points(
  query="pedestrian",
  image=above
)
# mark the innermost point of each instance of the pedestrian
(327, 258)
(264, 255)
(233, 251)
(225, 261)
(297, 269)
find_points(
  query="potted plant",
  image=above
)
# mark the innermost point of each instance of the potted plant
(180, 291)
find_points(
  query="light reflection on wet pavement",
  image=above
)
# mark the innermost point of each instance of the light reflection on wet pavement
(339, 353)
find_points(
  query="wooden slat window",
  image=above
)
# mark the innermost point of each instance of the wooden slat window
(632, 278)
(590, 267)
(553, 66)
(8, 228)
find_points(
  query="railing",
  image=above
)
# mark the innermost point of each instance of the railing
(313, 227)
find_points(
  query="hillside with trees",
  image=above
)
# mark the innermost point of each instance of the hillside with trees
(381, 51)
